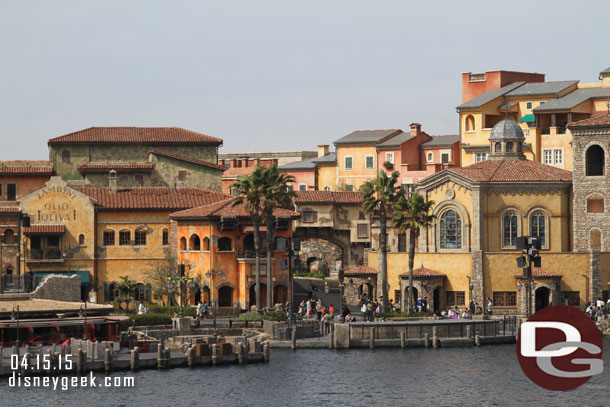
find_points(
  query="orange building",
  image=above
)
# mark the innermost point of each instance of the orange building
(216, 243)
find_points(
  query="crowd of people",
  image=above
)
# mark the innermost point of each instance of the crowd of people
(597, 309)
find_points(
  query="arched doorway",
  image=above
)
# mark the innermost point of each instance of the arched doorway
(543, 295)
(366, 291)
(225, 296)
(196, 294)
(436, 297)
(280, 294)
(252, 293)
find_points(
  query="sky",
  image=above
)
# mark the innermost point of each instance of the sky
(272, 75)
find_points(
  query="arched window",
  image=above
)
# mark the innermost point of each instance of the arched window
(9, 237)
(65, 156)
(595, 161)
(81, 240)
(595, 204)
(509, 229)
(224, 244)
(498, 147)
(470, 123)
(165, 237)
(509, 147)
(124, 237)
(183, 243)
(451, 230)
(538, 226)
(206, 244)
(326, 187)
(194, 242)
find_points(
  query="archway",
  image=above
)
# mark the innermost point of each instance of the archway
(225, 296)
(543, 296)
(194, 242)
(252, 294)
(280, 294)
(321, 256)
(367, 292)
(9, 237)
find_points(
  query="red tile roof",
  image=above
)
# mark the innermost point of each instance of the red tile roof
(136, 135)
(186, 158)
(119, 167)
(359, 271)
(542, 273)
(151, 198)
(225, 210)
(45, 230)
(328, 197)
(26, 168)
(594, 121)
(422, 272)
(9, 209)
(234, 172)
(513, 171)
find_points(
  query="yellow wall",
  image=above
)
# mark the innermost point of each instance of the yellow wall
(327, 176)
(359, 174)
(462, 196)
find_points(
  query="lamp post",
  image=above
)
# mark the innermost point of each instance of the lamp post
(210, 275)
(530, 249)
(170, 291)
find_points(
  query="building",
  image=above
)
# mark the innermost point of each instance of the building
(137, 157)
(542, 109)
(280, 157)
(241, 167)
(314, 174)
(216, 242)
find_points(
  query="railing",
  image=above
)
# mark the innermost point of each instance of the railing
(53, 255)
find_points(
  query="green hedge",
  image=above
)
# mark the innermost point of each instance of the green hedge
(405, 314)
(275, 316)
(146, 320)
(249, 316)
(160, 309)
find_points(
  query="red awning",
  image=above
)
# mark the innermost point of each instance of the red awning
(45, 230)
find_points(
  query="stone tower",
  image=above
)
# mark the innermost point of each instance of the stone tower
(506, 141)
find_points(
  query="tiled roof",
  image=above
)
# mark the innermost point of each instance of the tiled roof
(598, 121)
(490, 95)
(607, 70)
(542, 273)
(186, 158)
(226, 210)
(27, 168)
(136, 135)
(300, 165)
(512, 171)
(9, 209)
(328, 158)
(328, 197)
(367, 136)
(396, 141)
(44, 229)
(360, 270)
(151, 198)
(234, 172)
(119, 167)
(422, 272)
(541, 88)
(573, 99)
(441, 141)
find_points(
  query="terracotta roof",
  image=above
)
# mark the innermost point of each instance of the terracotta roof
(151, 198)
(595, 121)
(360, 270)
(512, 171)
(186, 158)
(225, 210)
(542, 273)
(328, 197)
(422, 272)
(44, 229)
(32, 168)
(9, 209)
(234, 172)
(136, 135)
(119, 167)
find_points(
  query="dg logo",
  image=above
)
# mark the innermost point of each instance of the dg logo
(560, 348)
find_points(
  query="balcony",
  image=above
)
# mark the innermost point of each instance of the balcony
(44, 256)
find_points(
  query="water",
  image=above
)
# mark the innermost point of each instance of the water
(487, 375)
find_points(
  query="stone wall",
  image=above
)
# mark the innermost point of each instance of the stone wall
(59, 288)
(322, 251)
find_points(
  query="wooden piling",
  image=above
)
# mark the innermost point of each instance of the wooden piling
(190, 356)
(214, 351)
(477, 341)
(426, 340)
(266, 352)
(331, 338)
(293, 343)
(372, 338)
(434, 336)
(403, 341)
(107, 360)
(81, 362)
(134, 362)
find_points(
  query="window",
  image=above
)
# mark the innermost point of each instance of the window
(224, 244)
(430, 157)
(369, 162)
(509, 228)
(309, 216)
(595, 204)
(165, 237)
(108, 237)
(389, 157)
(595, 161)
(505, 298)
(498, 148)
(194, 242)
(451, 230)
(349, 187)
(81, 240)
(363, 231)
(182, 175)
(183, 243)
(11, 192)
(361, 215)
(124, 237)
(139, 179)
(206, 244)
(548, 157)
(65, 157)
(571, 298)
(140, 238)
(402, 243)
(9, 237)
(528, 105)
(558, 157)
(52, 241)
(509, 147)
(470, 123)
(478, 157)
(553, 156)
(302, 187)
(234, 191)
(289, 188)
(349, 162)
(445, 158)
(453, 298)
(537, 226)
(327, 187)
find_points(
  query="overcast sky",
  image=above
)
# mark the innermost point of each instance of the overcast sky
(272, 75)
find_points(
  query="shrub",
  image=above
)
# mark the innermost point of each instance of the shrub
(160, 309)
(145, 320)
(249, 316)
(275, 316)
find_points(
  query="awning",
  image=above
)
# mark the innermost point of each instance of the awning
(44, 230)
(84, 274)
(528, 118)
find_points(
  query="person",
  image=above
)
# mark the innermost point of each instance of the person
(424, 304)
(199, 311)
(369, 311)
(471, 307)
(488, 306)
(204, 310)
(363, 311)
(314, 290)
(141, 309)
(29, 280)
(418, 303)
(331, 311)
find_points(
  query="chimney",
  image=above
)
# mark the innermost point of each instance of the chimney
(322, 150)
(112, 180)
(415, 129)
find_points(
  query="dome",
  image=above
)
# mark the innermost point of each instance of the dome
(506, 129)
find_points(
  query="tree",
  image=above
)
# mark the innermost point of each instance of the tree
(159, 274)
(379, 197)
(127, 290)
(250, 194)
(412, 214)
(275, 195)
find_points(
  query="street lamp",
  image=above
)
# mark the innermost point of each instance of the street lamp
(530, 256)
(170, 291)
(210, 275)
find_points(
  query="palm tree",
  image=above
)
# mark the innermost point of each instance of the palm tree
(276, 195)
(379, 197)
(250, 189)
(412, 214)
(127, 288)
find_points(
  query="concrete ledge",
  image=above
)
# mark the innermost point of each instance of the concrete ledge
(455, 342)
(497, 340)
